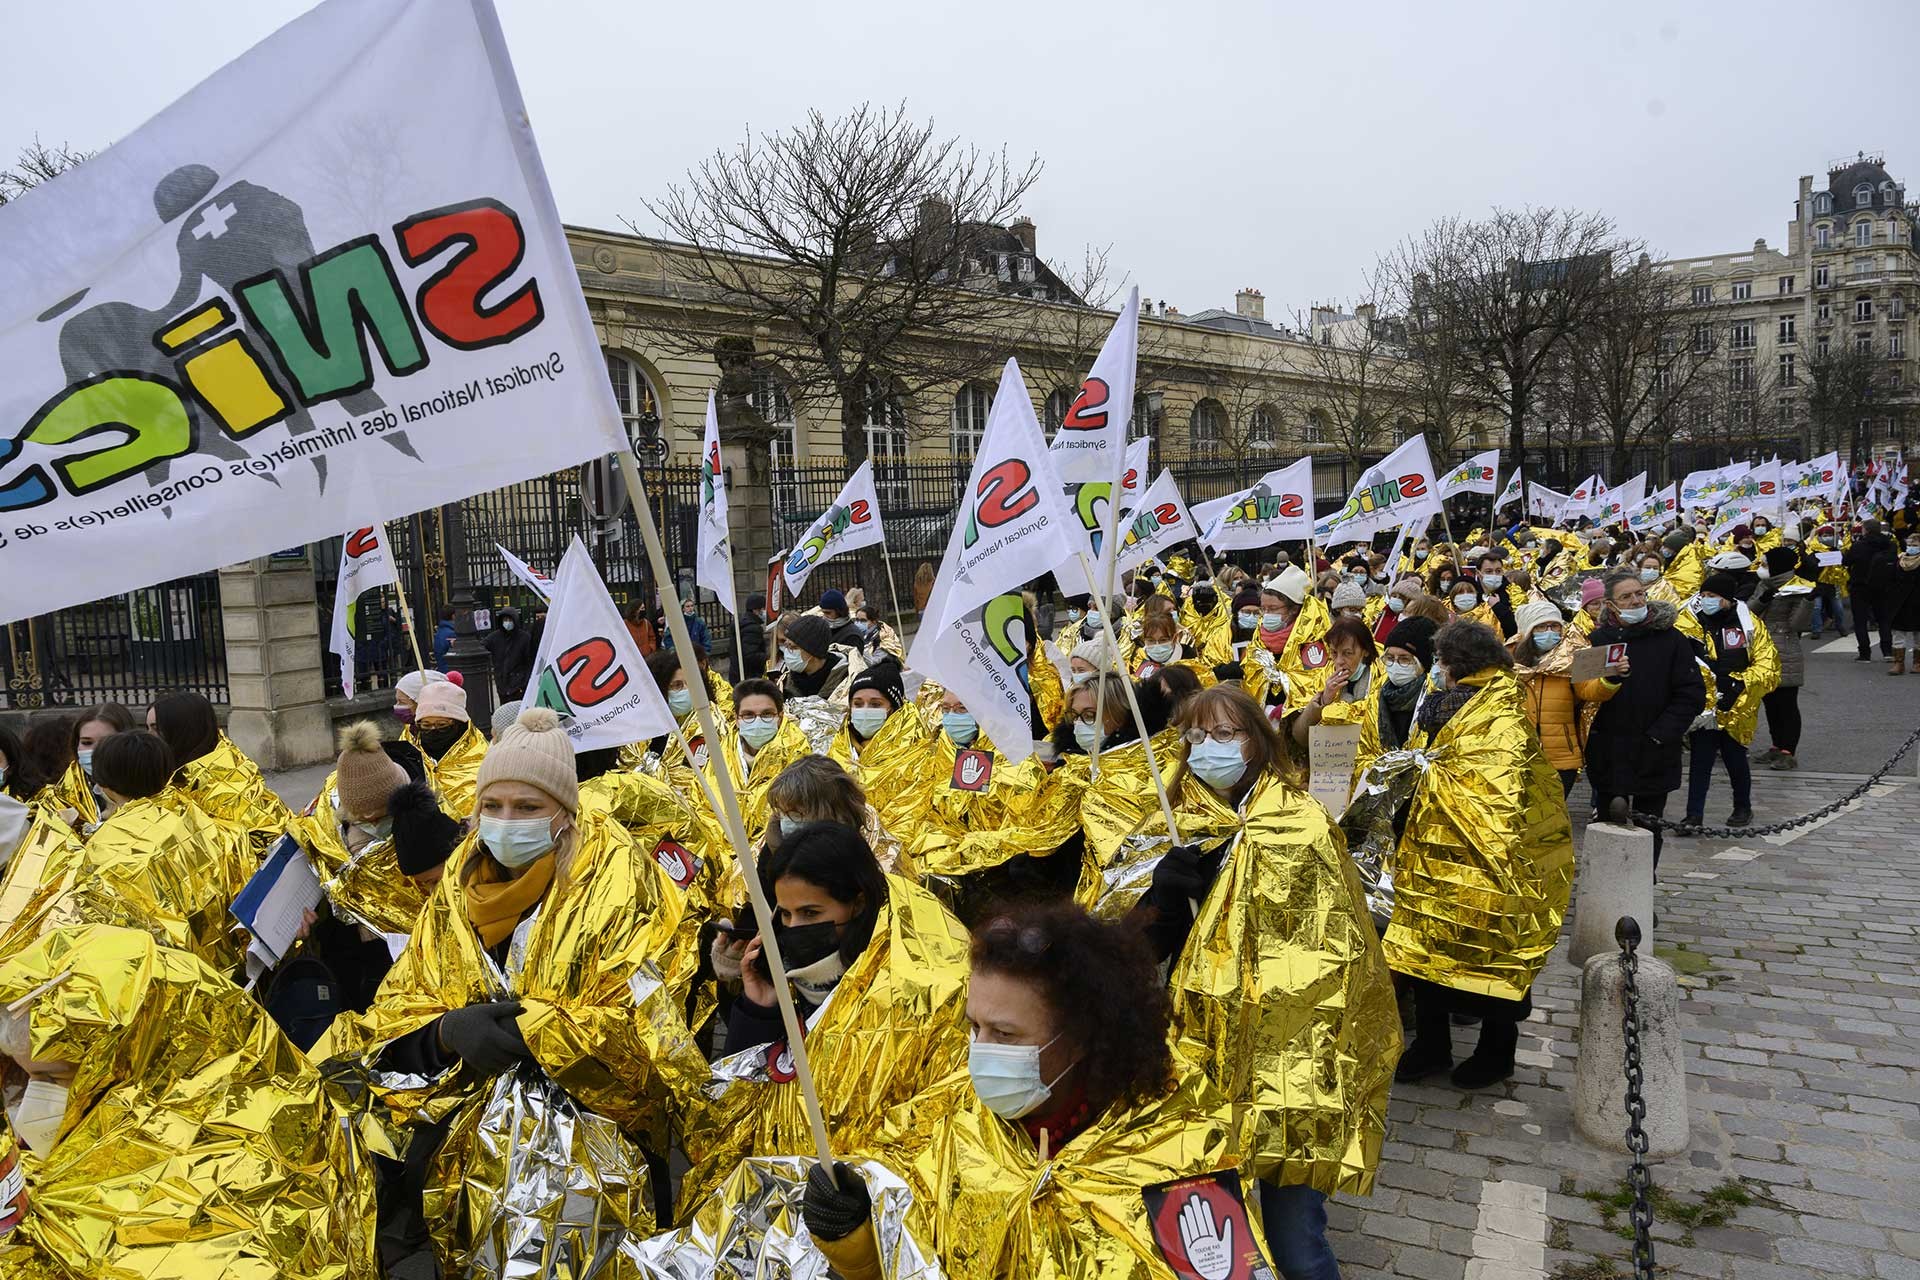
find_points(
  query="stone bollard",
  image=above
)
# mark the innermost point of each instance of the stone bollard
(1615, 879)
(1600, 1081)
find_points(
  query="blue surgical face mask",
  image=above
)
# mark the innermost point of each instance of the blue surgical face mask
(1218, 764)
(792, 659)
(680, 702)
(1545, 640)
(1084, 732)
(85, 756)
(1633, 616)
(506, 624)
(1649, 575)
(1159, 652)
(1396, 603)
(1464, 603)
(1401, 674)
(1273, 621)
(1074, 615)
(516, 842)
(1493, 579)
(758, 732)
(1249, 620)
(1708, 605)
(960, 726)
(866, 721)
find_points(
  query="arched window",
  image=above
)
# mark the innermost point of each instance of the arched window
(1863, 195)
(634, 392)
(1314, 429)
(1146, 416)
(1823, 202)
(1261, 434)
(1057, 405)
(971, 404)
(1209, 426)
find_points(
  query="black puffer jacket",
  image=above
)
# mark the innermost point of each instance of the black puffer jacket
(1859, 558)
(1639, 734)
(1899, 594)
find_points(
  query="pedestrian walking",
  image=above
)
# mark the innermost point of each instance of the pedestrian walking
(1869, 545)
(1648, 704)
(1743, 668)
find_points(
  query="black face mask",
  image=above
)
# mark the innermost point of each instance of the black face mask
(437, 742)
(801, 945)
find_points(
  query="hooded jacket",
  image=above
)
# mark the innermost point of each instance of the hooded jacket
(512, 651)
(1637, 739)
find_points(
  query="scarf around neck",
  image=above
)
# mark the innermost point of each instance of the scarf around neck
(496, 907)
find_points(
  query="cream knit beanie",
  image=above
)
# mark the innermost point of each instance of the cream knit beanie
(534, 750)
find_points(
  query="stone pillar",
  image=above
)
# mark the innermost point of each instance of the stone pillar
(275, 679)
(1616, 879)
(749, 515)
(1600, 1080)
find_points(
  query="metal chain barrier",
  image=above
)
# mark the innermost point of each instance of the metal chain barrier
(1627, 932)
(1775, 828)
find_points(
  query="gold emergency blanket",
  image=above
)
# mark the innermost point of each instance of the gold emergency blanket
(1302, 666)
(790, 743)
(1211, 633)
(894, 1024)
(1380, 792)
(34, 876)
(74, 791)
(1683, 574)
(818, 719)
(1485, 866)
(593, 973)
(960, 815)
(196, 1142)
(454, 777)
(1723, 633)
(1283, 988)
(157, 864)
(1126, 834)
(752, 1229)
(988, 1206)
(571, 1187)
(364, 886)
(229, 786)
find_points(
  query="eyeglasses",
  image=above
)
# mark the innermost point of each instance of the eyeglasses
(1086, 717)
(1226, 734)
(764, 717)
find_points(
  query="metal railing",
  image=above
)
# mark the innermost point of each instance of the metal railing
(128, 649)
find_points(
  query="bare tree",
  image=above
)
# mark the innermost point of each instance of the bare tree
(1251, 394)
(1841, 383)
(37, 163)
(1357, 382)
(1641, 353)
(1058, 342)
(865, 247)
(1433, 375)
(1510, 289)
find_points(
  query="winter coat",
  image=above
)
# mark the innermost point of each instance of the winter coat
(1558, 713)
(442, 642)
(512, 652)
(1901, 598)
(1635, 744)
(1859, 559)
(1739, 666)
(750, 656)
(1786, 607)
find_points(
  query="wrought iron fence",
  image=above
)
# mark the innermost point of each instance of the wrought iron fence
(128, 649)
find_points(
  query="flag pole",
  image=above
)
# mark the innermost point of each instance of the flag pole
(406, 613)
(1108, 538)
(1140, 721)
(730, 802)
(899, 619)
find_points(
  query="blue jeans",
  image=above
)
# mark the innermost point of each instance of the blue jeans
(1296, 1224)
(1705, 746)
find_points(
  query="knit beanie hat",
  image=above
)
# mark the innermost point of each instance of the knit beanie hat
(423, 834)
(834, 600)
(810, 635)
(365, 775)
(1741, 531)
(1533, 613)
(534, 750)
(412, 682)
(443, 699)
(1591, 590)
(884, 678)
(1724, 585)
(1781, 560)
(1246, 598)
(1732, 561)
(1096, 653)
(1349, 595)
(1415, 635)
(503, 717)
(1677, 539)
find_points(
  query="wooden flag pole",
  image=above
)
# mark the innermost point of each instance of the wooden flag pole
(1140, 721)
(406, 613)
(1108, 538)
(730, 802)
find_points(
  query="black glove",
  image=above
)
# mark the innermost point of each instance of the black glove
(485, 1036)
(835, 1212)
(1178, 877)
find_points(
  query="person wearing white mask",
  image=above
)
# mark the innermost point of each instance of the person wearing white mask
(761, 741)
(1088, 659)
(1069, 1069)
(1087, 721)
(1543, 649)
(809, 665)
(874, 697)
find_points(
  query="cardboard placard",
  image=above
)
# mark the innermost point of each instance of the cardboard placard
(1595, 661)
(1827, 559)
(1331, 751)
(1200, 1225)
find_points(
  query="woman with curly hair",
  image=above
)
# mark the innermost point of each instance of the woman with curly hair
(1071, 1067)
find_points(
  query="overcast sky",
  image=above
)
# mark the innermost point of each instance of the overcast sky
(1214, 146)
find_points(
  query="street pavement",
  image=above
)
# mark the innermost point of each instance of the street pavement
(1800, 981)
(1800, 972)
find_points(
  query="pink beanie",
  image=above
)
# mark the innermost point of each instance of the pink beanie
(1590, 591)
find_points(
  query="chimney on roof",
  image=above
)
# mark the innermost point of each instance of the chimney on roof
(1251, 303)
(1364, 312)
(935, 212)
(1024, 231)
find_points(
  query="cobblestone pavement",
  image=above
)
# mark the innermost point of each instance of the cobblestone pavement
(1800, 971)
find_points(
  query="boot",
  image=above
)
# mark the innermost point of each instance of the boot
(1762, 757)
(1492, 1059)
(1431, 1051)
(1898, 667)
(1741, 817)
